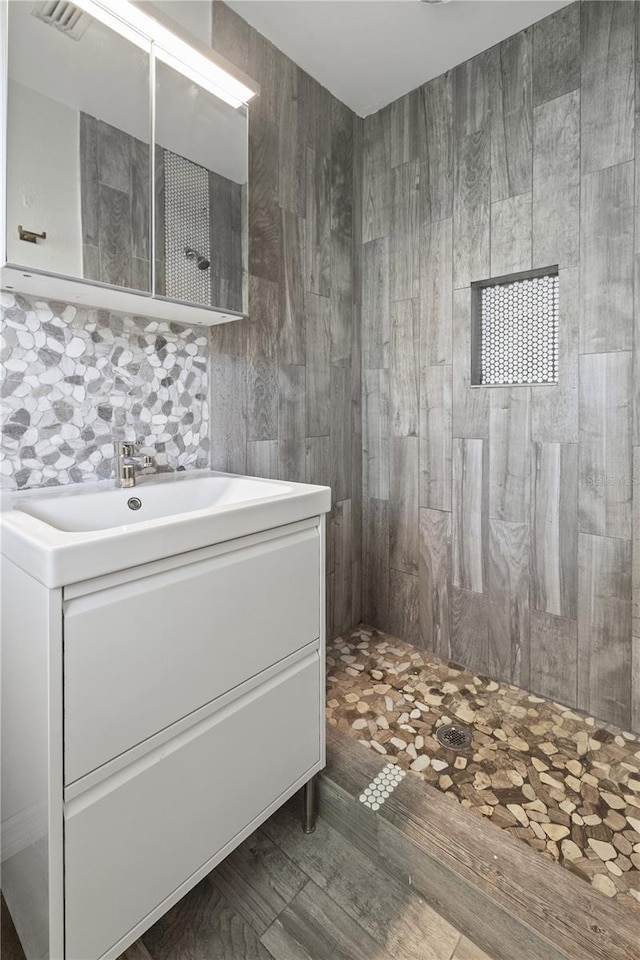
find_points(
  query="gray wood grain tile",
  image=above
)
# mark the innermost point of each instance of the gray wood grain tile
(318, 224)
(115, 237)
(318, 461)
(262, 399)
(291, 460)
(230, 34)
(635, 530)
(556, 181)
(470, 404)
(395, 921)
(471, 209)
(228, 413)
(436, 262)
(341, 168)
(404, 238)
(605, 465)
(292, 333)
(263, 459)
(140, 202)
(342, 554)
(510, 454)
(406, 128)
(258, 880)
(470, 629)
(114, 158)
(554, 528)
(200, 926)
(511, 119)
(340, 399)
(554, 657)
(435, 437)
(375, 304)
(556, 54)
(317, 100)
(436, 173)
(469, 509)
(375, 415)
(554, 408)
(263, 161)
(89, 194)
(291, 402)
(318, 348)
(262, 326)
(511, 235)
(292, 142)
(608, 80)
(604, 628)
(263, 67)
(434, 570)
(404, 606)
(509, 577)
(403, 504)
(265, 240)
(376, 176)
(375, 561)
(314, 927)
(473, 82)
(341, 300)
(403, 368)
(606, 261)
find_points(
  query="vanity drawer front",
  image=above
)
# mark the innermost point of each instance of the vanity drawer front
(142, 655)
(132, 841)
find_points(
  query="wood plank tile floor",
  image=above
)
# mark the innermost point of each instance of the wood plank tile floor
(286, 896)
(562, 782)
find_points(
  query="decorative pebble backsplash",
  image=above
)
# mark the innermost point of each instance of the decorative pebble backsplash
(75, 379)
(564, 783)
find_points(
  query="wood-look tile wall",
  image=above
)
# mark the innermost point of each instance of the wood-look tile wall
(286, 383)
(502, 525)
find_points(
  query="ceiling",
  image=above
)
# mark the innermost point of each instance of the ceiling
(370, 52)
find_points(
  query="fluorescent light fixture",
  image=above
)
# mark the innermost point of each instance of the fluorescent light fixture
(145, 30)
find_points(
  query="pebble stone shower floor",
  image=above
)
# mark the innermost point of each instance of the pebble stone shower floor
(564, 783)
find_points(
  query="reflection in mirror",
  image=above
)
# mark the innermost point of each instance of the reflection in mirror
(78, 147)
(201, 195)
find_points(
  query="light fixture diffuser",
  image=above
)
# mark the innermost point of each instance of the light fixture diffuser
(148, 32)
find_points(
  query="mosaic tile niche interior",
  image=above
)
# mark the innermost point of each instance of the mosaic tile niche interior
(76, 379)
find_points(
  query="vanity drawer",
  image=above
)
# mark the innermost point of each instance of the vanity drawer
(141, 655)
(134, 839)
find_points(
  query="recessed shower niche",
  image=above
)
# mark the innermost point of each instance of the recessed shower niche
(514, 323)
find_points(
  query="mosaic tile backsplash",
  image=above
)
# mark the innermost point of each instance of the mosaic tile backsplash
(75, 379)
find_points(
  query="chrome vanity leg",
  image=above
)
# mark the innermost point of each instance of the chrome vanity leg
(309, 800)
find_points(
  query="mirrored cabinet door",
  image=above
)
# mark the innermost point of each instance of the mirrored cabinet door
(78, 164)
(201, 195)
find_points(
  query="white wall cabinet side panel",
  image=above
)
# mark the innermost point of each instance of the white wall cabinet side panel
(140, 656)
(136, 837)
(31, 842)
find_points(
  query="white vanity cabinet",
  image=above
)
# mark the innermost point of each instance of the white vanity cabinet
(153, 717)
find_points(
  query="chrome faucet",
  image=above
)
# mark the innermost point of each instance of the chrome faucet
(127, 461)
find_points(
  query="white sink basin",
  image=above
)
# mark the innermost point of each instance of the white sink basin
(148, 501)
(76, 533)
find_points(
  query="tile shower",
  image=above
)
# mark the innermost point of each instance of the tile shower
(498, 520)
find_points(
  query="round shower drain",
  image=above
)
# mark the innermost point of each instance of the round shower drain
(454, 736)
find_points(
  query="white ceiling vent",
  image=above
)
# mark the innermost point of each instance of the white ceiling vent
(65, 17)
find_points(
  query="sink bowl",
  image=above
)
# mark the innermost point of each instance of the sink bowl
(81, 532)
(148, 501)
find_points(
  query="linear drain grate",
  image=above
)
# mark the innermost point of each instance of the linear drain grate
(454, 736)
